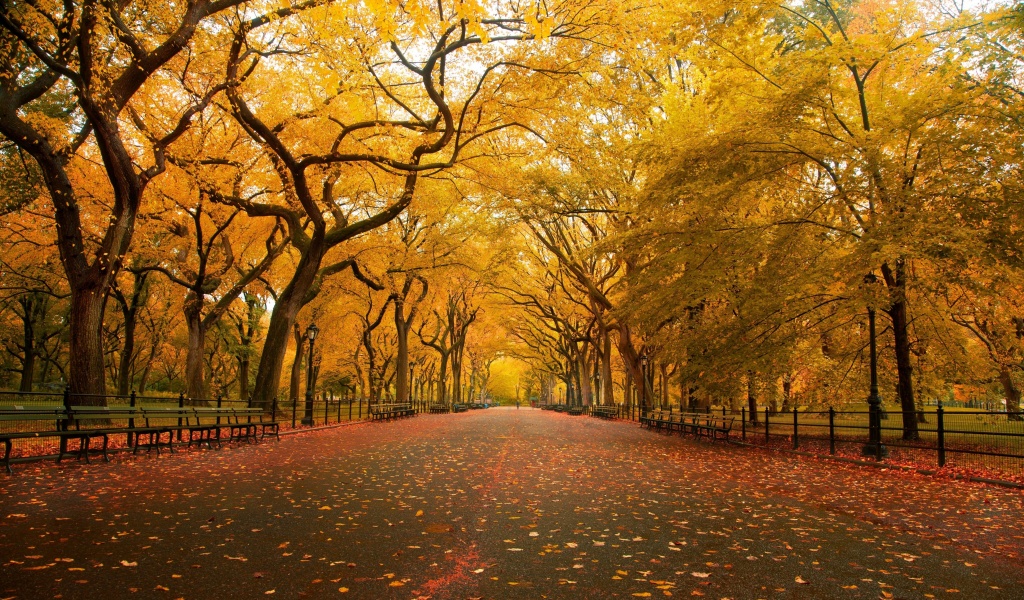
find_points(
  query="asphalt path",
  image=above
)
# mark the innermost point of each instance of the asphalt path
(501, 503)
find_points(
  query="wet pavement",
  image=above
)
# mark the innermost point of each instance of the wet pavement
(501, 503)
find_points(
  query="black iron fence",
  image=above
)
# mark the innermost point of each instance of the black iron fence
(965, 438)
(955, 437)
(327, 409)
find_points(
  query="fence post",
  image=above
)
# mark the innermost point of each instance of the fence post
(295, 409)
(220, 404)
(181, 407)
(360, 407)
(273, 408)
(831, 430)
(796, 434)
(350, 408)
(941, 430)
(339, 406)
(767, 433)
(327, 406)
(131, 417)
(743, 422)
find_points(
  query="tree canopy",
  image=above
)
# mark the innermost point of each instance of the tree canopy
(600, 201)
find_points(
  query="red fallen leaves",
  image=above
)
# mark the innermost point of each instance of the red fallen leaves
(917, 459)
(977, 517)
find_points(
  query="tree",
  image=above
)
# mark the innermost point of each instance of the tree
(206, 265)
(72, 74)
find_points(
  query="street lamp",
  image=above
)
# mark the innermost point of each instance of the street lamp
(874, 446)
(643, 383)
(307, 418)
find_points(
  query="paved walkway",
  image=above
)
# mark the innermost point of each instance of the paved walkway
(500, 504)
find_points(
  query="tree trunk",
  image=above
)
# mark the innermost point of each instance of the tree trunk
(896, 282)
(583, 374)
(195, 380)
(243, 377)
(442, 381)
(87, 377)
(127, 360)
(402, 392)
(627, 390)
(296, 378)
(666, 400)
(1013, 395)
(787, 392)
(282, 319)
(456, 379)
(631, 360)
(28, 363)
(752, 396)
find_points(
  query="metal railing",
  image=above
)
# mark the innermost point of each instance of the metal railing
(327, 410)
(954, 437)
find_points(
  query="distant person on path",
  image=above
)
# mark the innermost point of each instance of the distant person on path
(517, 405)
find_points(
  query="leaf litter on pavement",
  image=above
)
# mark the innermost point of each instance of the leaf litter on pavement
(430, 507)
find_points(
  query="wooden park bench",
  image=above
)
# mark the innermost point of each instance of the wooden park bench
(575, 410)
(714, 426)
(604, 412)
(651, 418)
(149, 428)
(438, 408)
(384, 412)
(26, 422)
(251, 425)
(457, 408)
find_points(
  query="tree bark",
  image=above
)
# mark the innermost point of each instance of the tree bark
(282, 319)
(87, 379)
(895, 280)
(403, 323)
(28, 363)
(1012, 393)
(402, 391)
(752, 396)
(583, 374)
(294, 389)
(787, 391)
(195, 381)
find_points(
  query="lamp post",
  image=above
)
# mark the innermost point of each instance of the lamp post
(643, 383)
(307, 417)
(874, 446)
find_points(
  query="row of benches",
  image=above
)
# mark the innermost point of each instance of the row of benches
(384, 412)
(438, 408)
(604, 412)
(699, 424)
(149, 428)
(570, 409)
